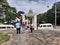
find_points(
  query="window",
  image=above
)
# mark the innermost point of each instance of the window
(41, 26)
(12, 27)
(2, 27)
(48, 25)
(44, 25)
(8, 27)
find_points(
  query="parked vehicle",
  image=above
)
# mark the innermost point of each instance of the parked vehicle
(45, 26)
(7, 27)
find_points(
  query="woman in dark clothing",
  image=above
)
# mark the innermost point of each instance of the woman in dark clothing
(31, 28)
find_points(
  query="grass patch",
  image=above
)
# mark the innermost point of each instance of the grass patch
(4, 37)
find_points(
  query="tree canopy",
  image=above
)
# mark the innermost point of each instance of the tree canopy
(49, 16)
(10, 12)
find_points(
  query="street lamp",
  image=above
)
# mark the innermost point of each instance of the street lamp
(56, 13)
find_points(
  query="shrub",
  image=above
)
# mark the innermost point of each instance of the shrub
(4, 37)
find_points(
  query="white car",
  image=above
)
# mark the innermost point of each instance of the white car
(7, 27)
(45, 26)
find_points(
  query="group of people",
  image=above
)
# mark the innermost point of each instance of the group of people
(22, 27)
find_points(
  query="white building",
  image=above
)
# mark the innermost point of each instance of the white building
(33, 17)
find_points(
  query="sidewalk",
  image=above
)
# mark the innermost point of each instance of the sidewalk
(57, 28)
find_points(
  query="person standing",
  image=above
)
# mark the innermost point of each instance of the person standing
(31, 28)
(18, 26)
(23, 27)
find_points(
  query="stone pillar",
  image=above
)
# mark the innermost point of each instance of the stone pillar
(27, 21)
(23, 17)
(35, 22)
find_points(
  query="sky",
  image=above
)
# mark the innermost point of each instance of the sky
(37, 6)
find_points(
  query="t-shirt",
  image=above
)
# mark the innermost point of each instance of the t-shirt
(17, 25)
(23, 25)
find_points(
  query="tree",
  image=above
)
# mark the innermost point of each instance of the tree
(49, 16)
(51, 13)
(19, 15)
(41, 18)
(10, 12)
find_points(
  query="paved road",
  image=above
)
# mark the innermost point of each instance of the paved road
(38, 37)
